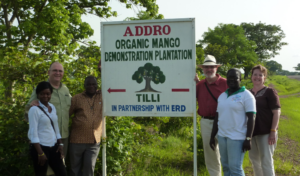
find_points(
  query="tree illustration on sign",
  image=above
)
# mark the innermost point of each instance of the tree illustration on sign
(149, 73)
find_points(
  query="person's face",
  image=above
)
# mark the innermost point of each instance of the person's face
(56, 72)
(258, 78)
(91, 86)
(209, 71)
(233, 80)
(44, 96)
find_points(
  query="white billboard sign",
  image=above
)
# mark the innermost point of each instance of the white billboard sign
(148, 68)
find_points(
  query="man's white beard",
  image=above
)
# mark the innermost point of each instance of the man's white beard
(210, 76)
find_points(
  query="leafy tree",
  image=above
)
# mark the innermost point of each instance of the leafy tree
(234, 48)
(298, 67)
(199, 55)
(143, 15)
(33, 34)
(273, 66)
(85, 64)
(149, 73)
(268, 39)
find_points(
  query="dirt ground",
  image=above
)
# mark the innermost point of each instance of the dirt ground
(295, 77)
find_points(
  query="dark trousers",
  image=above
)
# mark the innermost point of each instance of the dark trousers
(54, 161)
(83, 158)
(65, 141)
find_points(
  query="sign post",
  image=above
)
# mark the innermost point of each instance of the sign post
(148, 68)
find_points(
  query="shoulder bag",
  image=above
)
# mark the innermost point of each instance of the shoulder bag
(210, 93)
(48, 117)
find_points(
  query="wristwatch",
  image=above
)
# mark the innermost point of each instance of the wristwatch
(248, 138)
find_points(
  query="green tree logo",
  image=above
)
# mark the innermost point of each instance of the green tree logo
(149, 73)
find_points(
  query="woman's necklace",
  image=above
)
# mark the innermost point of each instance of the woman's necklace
(255, 90)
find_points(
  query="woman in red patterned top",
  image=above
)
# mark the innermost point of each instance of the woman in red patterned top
(266, 124)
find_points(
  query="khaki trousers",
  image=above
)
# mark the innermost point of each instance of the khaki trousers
(212, 158)
(65, 141)
(261, 155)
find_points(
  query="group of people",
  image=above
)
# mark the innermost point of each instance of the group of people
(235, 120)
(50, 107)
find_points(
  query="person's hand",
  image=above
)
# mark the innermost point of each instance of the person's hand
(34, 103)
(212, 143)
(196, 79)
(61, 151)
(99, 66)
(42, 159)
(272, 138)
(246, 145)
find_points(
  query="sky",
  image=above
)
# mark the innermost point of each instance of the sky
(209, 13)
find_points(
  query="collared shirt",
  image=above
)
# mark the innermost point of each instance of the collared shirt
(40, 128)
(61, 99)
(87, 120)
(207, 105)
(232, 111)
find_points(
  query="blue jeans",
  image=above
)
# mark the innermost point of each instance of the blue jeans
(231, 156)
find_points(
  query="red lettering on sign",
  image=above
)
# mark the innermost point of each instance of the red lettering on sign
(157, 28)
(146, 30)
(128, 31)
(137, 33)
(164, 29)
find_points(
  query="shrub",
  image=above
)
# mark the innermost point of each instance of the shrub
(14, 148)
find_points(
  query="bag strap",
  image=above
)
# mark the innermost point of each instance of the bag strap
(49, 118)
(211, 93)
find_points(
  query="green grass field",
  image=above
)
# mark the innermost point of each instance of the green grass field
(169, 157)
(173, 156)
(287, 153)
(284, 85)
(287, 156)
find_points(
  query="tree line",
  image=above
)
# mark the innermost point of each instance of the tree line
(243, 46)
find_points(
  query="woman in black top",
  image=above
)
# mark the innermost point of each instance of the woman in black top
(266, 124)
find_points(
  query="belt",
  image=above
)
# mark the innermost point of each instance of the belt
(208, 117)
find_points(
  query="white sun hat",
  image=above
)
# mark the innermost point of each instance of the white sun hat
(209, 61)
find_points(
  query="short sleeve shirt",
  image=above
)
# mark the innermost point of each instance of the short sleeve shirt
(232, 113)
(267, 100)
(87, 120)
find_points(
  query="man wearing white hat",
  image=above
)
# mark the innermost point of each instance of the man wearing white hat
(207, 93)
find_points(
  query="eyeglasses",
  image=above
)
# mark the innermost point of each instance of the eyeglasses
(207, 67)
(60, 71)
